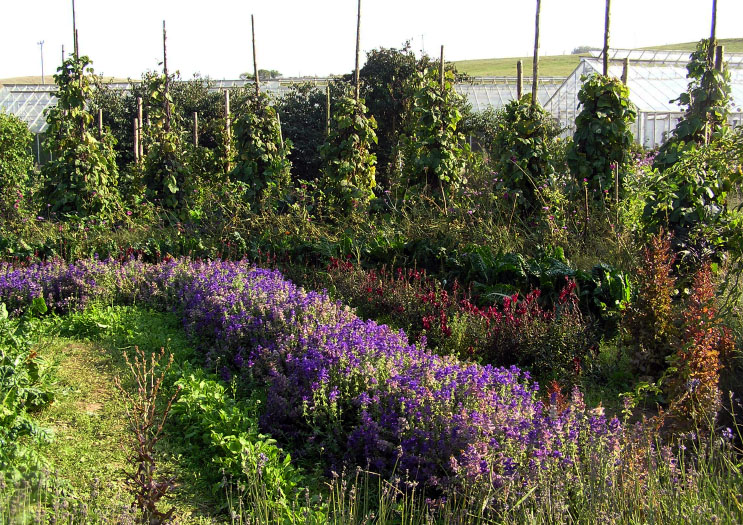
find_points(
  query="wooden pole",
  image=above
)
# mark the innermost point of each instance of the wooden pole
(441, 68)
(719, 58)
(281, 134)
(535, 79)
(713, 33)
(166, 103)
(227, 130)
(100, 124)
(255, 62)
(195, 128)
(358, 50)
(625, 70)
(140, 116)
(327, 110)
(136, 140)
(74, 30)
(519, 79)
(607, 21)
(79, 82)
(63, 53)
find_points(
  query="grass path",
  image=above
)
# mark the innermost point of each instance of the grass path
(89, 425)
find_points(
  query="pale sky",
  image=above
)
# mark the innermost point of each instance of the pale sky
(317, 37)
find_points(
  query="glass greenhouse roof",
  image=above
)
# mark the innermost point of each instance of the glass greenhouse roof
(28, 101)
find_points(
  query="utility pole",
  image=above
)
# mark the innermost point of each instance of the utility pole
(41, 46)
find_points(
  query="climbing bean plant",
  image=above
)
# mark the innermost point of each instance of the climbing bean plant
(435, 153)
(82, 177)
(165, 170)
(707, 102)
(602, 138)
(349, 166)
(262, 155)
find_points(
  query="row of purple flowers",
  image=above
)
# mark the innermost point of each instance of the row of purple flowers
(341, 388)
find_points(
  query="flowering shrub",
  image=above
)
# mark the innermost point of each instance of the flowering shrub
(553, 341)
(694, 384)
(649, 322)
(348, 389)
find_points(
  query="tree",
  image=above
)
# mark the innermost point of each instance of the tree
(263, 74)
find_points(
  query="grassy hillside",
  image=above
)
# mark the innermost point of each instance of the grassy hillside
(48, 79)
(562, 65)
(732, 45)
(549, 66)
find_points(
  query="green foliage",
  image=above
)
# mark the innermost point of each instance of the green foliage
(436, 152)
(602, 138)
(690, 198)
(707, 102)
(349, 164)
(262, 156)
(166, 171)
(24, 387)
(16, 162)
(82, 177)
(386, 76)
(524, 151)
(233, 451)
(303, 121)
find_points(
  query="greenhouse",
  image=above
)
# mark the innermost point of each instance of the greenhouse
(28, 101)
(654, 78)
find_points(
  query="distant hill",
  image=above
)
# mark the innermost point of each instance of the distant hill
(562, 65)
(48, 79)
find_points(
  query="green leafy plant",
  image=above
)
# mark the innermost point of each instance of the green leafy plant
(707, 102)
(236, 454)
(601, 143)
(166, 171)
(82, 177)
(435, 152)
(524, 150)
(25, 386)
(349, 164)
(690, 198)
(16, 162)
(262, 162)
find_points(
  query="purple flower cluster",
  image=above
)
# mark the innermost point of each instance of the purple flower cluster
(338, 386)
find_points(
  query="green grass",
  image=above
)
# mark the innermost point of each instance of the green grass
(549, 66)
(562, 65)
(732, 45)
(89, 421)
